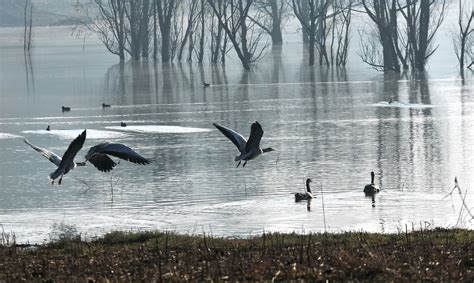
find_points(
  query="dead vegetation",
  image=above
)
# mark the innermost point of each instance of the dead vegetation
(438, 254)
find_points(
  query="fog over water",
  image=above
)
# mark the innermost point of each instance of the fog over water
(330, 125)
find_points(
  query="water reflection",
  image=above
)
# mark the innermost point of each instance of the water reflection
(326, 124)
(29, 73)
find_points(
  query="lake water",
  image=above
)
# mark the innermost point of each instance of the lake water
(331, 126)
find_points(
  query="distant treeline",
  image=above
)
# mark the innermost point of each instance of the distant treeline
(401, 35)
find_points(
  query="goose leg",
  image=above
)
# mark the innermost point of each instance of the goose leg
(60, 180)
(244, 164)
(239, 163)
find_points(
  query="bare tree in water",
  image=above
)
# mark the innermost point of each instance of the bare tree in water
(218, 44)
(308, 18)
(165, 10)
(107, 19)
(202, 30)
(185, 24)
(409, 45)
(245, 38)
(270, 16)
(464, 40)
(422, 20)
(28, 15)
(340, 26)
(384, 14)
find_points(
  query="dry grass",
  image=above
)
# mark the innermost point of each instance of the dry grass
(439, 254)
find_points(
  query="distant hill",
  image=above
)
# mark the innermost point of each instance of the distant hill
(45, 12)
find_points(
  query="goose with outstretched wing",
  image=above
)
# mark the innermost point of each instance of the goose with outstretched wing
(248, 149)
(66, 163)
(99, 156)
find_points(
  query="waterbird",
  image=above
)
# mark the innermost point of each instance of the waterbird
(123, 124)
(105, 105)
(97, 155)
(306, 195)
(248, 149)
(48, 128)
(65, 108)
(370, 189)
(204, 84)
(66, 163)
(390, 101)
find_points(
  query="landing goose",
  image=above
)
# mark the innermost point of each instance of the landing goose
(97, 155)
(248, 149)
(66, 163)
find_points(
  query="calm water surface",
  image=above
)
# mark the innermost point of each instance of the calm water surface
(333, 127)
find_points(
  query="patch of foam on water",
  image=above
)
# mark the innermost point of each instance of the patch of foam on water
(72, 134)
(8, 136)
(397, 104)
(159, 129)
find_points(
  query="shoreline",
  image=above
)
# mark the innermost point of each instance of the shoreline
(433, 254)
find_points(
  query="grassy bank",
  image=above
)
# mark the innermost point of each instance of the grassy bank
(422, 255)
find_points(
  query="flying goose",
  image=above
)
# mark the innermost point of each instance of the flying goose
(306, 195)
(370, 189)
(66, 163)
(248, 149)
(97, 155)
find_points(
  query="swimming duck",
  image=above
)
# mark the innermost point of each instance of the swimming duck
(204, 84)
(65, 108)
(123, 124)
(306, 195)
(105, 105)
(248, 149)
(370, 189)
(48, 128)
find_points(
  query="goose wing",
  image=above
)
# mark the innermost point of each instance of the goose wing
(236, 138)
(256, 133)
(51, 156)
(74, 148)
(102, 162)
(97, 155)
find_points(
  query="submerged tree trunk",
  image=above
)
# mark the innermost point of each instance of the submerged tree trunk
(155, 31)
(144, 30)
(201, 39)
(120, 10)
(276, 35)
(165, 14)
(135, 27)
(383, 14)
